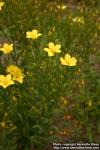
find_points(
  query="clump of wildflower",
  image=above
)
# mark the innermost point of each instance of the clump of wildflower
(33, 34)
(16, 73)
(52, 49)
(68, 60)
(6, 48)
(1, 4)
(79, 20)
(5, 81)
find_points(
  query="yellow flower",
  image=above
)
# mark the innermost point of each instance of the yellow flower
(78, 20)
(68, 60)
(52, 49)
(16, 73)
(7, 48)
(5, 81)
(33, 34)
(1, 4)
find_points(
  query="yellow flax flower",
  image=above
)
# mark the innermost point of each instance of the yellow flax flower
(5, 81)
(1, 4)
(7, 48)
(68, 60)
(16, 73)
(78, 20)
(33, 34)
(52, 49)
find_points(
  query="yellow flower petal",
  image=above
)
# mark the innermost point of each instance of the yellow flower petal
(39, 34)
(34, 31)
(8, 76)
(67, 57)
(51, 45)
(58, 51)
(46, 49)
(50, 53)
(58, 46)
(18, 78)
(63, 62)
(16, 73)
(7, 48)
